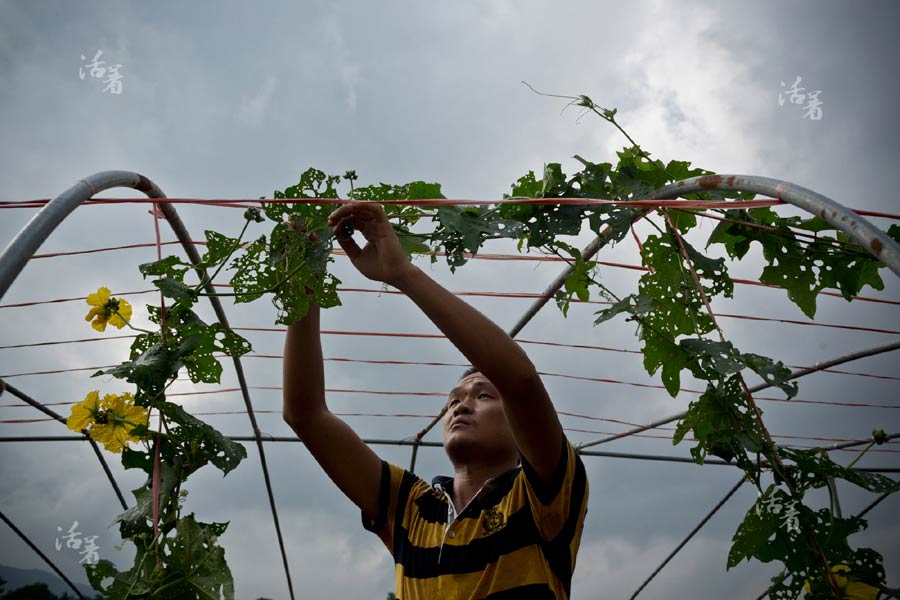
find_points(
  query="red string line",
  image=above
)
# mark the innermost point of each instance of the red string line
(108, 249)
(485, 256)
(256, 202)
(516, 295)
(400, 335)
(430, 416)
(461, 365)
(373, 333)
(425, 416)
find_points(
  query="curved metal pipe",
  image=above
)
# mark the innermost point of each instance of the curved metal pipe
(30, 238)
(19, 251)
(859, 229)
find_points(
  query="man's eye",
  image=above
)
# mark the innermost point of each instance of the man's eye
(483, 395)
(453, 402)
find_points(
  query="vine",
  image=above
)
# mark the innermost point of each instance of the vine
(670, 308)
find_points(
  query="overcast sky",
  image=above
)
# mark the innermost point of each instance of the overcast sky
(235, 100)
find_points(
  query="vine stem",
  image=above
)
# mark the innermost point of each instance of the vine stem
(132, 327)
(138, 571)
(776, 462)
(209, 279)
(571, 263)
(860, 455)
(254, 292)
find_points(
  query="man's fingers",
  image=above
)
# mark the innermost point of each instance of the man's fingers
(358, 212)
(302, 228)
(350, 247)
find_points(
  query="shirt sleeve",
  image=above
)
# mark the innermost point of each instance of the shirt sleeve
(559, 505)
(396, 489)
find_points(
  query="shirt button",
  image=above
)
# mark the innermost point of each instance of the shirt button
(452, 534)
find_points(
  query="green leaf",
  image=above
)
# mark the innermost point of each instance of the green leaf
(764, 533)
(410, 242)
(218, 247)
(711, 359)
(716, 360)
(419, 190)
(203, 439)
(464, 230)
(554, 183)
(170, 266)
(774, 373)
(149, 371)
(527, 187)
(660, 351)
(622, 306)
(815, 468)
(173, 288)
(723, 423)
(201, 561)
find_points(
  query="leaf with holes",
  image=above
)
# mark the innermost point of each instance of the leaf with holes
(203, 440)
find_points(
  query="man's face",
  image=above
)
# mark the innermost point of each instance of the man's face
(475, 425)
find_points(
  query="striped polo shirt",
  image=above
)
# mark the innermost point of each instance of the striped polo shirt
(516, 539)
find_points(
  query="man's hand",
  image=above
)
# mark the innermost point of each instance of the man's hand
(382, 258)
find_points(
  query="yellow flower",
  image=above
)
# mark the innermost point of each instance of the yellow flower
(850, 590)
(121, 416)
(84, 413)
(111, 420)
(105, 309)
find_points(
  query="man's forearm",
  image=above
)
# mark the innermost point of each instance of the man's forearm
(487, 347)
(304, 373)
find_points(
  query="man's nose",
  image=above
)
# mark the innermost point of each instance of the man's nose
(463, 406)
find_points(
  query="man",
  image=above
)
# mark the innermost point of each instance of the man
(508, 524)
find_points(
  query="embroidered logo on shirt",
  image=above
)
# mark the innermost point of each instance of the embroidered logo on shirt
(493, 521)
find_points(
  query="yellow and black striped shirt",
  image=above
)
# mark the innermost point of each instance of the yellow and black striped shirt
(517, 538)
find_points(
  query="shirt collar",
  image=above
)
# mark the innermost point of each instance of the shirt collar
(446, 483)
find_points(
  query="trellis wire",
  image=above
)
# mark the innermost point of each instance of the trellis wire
(858, 229)
(41, 554)
(693, 532)
(428, 444)
(795, 375)
(29, 239)
(25, 398)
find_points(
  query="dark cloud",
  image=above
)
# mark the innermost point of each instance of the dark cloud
(236, 102)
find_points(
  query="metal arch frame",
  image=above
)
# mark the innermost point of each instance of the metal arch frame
(38, 229)
(875, 241)
(859, 229)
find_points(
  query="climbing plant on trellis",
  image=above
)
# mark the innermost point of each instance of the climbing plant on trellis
(179, 557)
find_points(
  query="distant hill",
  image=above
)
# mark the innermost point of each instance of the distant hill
(16, 578)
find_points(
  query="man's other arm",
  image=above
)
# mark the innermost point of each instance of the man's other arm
(347, 460)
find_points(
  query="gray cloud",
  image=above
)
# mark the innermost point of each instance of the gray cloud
(236, 102)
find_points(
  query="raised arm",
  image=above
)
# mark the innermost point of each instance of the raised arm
(347, 460)
(526, 404)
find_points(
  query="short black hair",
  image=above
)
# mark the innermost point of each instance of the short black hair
(469, 371)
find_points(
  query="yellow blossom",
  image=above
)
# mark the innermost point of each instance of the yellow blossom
(84, 413)
(850, 590)
(111, 420)
(121, 417)
(105, 309)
